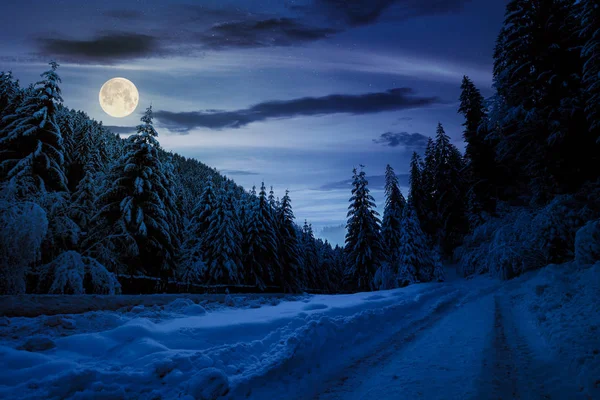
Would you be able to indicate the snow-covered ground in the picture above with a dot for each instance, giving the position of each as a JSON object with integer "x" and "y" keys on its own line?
{"x": 534, "y": 337}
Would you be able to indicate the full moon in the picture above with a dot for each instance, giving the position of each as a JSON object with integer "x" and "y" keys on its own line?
{"x": 119, "y": 97}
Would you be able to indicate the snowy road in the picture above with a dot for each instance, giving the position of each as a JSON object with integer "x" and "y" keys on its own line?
{"x": 464, "y": 339}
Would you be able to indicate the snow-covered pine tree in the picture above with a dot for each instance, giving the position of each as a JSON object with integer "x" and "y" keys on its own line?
{"x": 10, "y": 97}
{"x": 31, "y": 147}
{"x": 415, "y": 262}
{"x": 363, "y": 239}
{"x": 479, "y": 151}
{"x": 392, "y": 217}
{"x": 310, "y": 257}
{"x": 83, "y": 200}
{"x": 223, "y": 255}
{"x": 537, "y": 73}
{"x": 271, "y": 199}
{"x": 449, "y": 193}
{"x": 194, "y": 245}
{"x": 260, "y": 258}
{"x": 132, "y": 226}
{"x": 417, "y": 195}
{"x": 288, "y": 247}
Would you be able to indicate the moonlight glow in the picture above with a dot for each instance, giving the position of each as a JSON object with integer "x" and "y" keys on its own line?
{"x": 119, "y": 97}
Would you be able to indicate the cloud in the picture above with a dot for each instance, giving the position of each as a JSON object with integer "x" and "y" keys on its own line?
{"x": 376, "y": 182}
{"x": 123, "y": 14}
{"x": 239, "y": 172}
{"x": 354, "y": 13}
{"x": 106, "y": 48}
{"x": 405, "y": 139}
{"x": 224, "y": 27}
{"x": 368, "y": 103}
{"x": 261, "y": 33}
{"x": 121, "y": 129}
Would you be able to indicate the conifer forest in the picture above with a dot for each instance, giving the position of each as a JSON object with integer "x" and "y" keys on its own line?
{"x": 130, "y": 268}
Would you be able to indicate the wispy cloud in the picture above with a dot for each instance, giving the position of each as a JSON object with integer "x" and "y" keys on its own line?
{"x": 201, "y": 28}
{"x": 368, "y": 103}
{"x": 411, "y": 141}
{"x": 107, "y": 48}
{"x": 239, "y": 172}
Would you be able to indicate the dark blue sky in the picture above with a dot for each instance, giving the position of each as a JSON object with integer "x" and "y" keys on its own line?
{"x": 293, "y": 92}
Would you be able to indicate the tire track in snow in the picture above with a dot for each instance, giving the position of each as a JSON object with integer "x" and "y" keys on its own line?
{"x": 518, "y": 371}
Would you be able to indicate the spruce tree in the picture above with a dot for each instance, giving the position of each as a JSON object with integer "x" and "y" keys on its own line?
{"x": 261, "y": 256}
{"x": 31, "y": 145}
{"x": 363, "y": 239}
{"x": 288, "y": 247}
{"x": 223, "y": 255}
{"x": 133, "y": 221}
{"x": 310, "y": 257}
{"x": 83, "y": 200}
{"x": 479, "y": 151}
{"x": 537, "y": 68}
{"x": 449, "y": 194}
{"x": 415, "y": 262}
{"x": 392, "y": 217}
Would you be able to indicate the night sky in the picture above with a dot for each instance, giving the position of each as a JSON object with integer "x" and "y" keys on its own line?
{"x": 295, "y": 93}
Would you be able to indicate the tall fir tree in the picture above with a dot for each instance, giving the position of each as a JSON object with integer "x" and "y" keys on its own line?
{"x": 261, "y": 256}
{"x": 31, "y": 145}
{"x": 540, "y": 125}
{"x": 363, "y": 239}
{"x": 288, "y": 247}
{"x": 223, "y": 256}
{"x": 392, "y": 217}
{"x": 449, "y": 193}
{"x": 479, "y": 150}
{"x": 133, "y": 222}
{"x": 415, "y": 262}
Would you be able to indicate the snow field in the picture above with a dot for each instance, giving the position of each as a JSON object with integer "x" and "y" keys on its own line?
{"x": 143, "y": 355}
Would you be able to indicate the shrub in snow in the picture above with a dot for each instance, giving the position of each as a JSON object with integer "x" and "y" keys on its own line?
{"x": 587, "y": 243}
{"x": 38, "y": 343}
{"x": 24, "y": 226}
{"x": 523, "y": 239}
{"x": 72, "y": 273}
{"x": 385, "y": 278}
{"x": 209, "y": 384}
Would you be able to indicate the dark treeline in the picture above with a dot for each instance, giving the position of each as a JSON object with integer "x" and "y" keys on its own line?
{"x": 80, "y": 206}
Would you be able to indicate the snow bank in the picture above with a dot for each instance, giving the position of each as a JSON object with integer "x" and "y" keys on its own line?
{"x": 559, "y": 309}
{"x": 185, "y": 351}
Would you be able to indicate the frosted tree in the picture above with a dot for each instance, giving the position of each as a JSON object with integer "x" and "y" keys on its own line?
{"x": 10, "y": 97}
{"x": 260, "y": 258}
{"x": 288, "y": 247}
{"x": 83, "y": 200}
{"x": 31, "y": 147}
{"x": 392, "y": 216}
{"x": 133, "y": 221}
{"x": 449, "y": 193}
{"x": 537, "y": 73}
{"x": 363, "y": 240}
{"x": 195, "y": 233}
{"x": 72, "y": 273}
{"x": 223, "y": 243}
{"x": 310, "y": 257}
{"x": 415, "y": 262}
{"x": 24, "y": 227}
{"x": 479, "y": 151}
